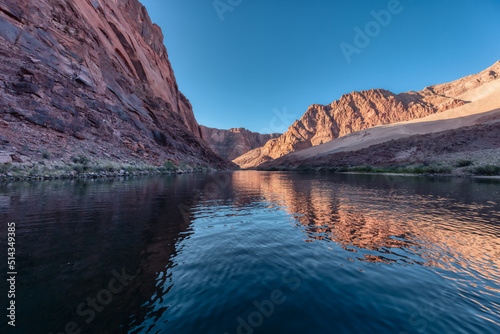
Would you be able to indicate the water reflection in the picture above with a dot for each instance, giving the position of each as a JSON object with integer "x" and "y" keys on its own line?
{"x": 393, "y": 219}
{"x": 360, "y": 212}
{"x": 205, "y": 248}
{"x": 72, "y": 235}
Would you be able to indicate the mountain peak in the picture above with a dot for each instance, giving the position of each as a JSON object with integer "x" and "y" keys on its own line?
{"x": 361, "y": 110}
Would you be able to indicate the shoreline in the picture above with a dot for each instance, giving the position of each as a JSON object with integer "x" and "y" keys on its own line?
{"x": 86, "y": 176}
{"x": 92, "y": 170}
{"x": 461, "y": 168}
{"x": 427, "y": 175}
{"x": 160, "y": 171}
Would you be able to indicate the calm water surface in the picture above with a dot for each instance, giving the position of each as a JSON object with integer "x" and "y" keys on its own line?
{"x": 255, "y": 252}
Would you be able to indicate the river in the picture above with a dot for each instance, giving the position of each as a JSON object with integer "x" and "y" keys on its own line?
{"x": 255, "y": 252}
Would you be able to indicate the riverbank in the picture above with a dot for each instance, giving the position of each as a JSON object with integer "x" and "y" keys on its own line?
{"x": 419, "y": 175}
{"x": 82, "y": 168}
{"x": 461, "y": 168}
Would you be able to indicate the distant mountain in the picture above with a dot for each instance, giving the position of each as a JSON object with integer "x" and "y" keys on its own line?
{"x": 468, "y": 135}
{"x": 91, "y": 77}
{"x": 363, "y": 110}
{"x": 233, "y": 143}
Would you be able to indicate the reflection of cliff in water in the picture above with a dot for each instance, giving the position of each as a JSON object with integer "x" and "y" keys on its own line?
{"x": 401, "y": 219}
{"x": 90, "y": 228}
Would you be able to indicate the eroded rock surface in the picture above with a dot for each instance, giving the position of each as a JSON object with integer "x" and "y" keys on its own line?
{"x": 232, "y": 143}
{"x": 362, "y": 110}
{"x": 92, "y": 77}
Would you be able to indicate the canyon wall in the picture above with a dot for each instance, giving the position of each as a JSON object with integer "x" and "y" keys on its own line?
{"x": 232, "y": 143}
{"x": 92, "y": 77}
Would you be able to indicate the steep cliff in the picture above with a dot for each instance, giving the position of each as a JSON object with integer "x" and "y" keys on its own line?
{"x": 91, "y": 77}
{"x": 233, "y": 143}
{"x": 362, "y": 110}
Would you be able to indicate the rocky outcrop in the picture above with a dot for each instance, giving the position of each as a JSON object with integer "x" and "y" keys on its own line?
{"x": 477, "y": 144}
{"x": 92, "y": 77}
{"x": 232, "y": 143}
{"x": 362, "y": 110}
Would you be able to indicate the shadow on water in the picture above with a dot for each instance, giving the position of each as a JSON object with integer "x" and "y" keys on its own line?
{"x": 204, "y": 250}
{"x": 73, "y": 238}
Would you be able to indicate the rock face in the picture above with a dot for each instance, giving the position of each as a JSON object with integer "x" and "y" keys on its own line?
{"x": 477, "y": 143}
{"x": 232, "y": 143}
{"x": 92, "y": 76}
{"x": 361, "y": 110}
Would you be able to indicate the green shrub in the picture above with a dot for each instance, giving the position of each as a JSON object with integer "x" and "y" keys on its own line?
{"x": 487, "y": 170}
{"x": 170, "y": 166}
{"x": 80, "y": 159}
{"x": 5, "y": 168}
{"x": 105, "y": 168}
{"x": 438, "y": 170}
{"x": 80, "y": 169}
{"x": 129, "y": 169}
{"x": 202, "y": 168}
{"x": 362, "y": 169}
{"x": 398, "y": 169}
{"x": 110, "y": 168}
{"x": 419, "y": 170}
{"x": 45, "y": 154}
{"x": 463, "y": 163}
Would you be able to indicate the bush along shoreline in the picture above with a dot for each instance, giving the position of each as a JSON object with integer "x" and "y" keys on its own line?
{"x": 81, "y": 167}
{"x": 460, "y": 168}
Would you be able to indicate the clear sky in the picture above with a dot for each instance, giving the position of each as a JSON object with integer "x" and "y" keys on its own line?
{"x": 259, "y": 64}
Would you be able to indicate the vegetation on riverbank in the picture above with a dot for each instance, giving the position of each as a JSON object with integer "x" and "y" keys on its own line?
{"x": 82, "y": 167}
{"x": 461, "y": 167}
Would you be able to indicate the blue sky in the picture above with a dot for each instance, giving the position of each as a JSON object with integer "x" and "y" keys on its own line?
{"x": 259, "y": 64}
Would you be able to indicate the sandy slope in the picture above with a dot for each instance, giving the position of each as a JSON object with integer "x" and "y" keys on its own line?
{"x": 483, "y": 106}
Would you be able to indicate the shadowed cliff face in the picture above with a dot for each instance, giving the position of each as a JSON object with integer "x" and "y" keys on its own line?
{"x": 232, "y": 143}
{"x": 362, "y": 110}
{"x": 92, "y": 76}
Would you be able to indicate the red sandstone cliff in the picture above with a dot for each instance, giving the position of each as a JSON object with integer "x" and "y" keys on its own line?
{"x": 362, "y": 110}
{"x": 92, "y": 77}
{"x": 233, "y": 143}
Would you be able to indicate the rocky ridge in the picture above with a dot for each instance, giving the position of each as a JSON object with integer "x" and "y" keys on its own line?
{"x": 476, "y": 146}
{"x": 362, "y": 110}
